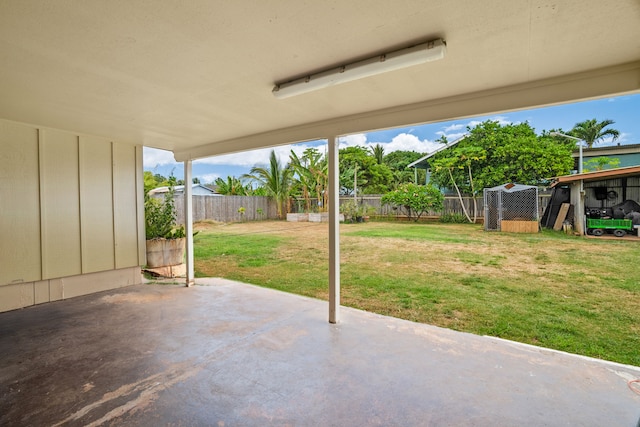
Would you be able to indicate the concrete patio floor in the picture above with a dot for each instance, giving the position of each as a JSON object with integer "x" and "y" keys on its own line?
{"x": 231, "y": 354}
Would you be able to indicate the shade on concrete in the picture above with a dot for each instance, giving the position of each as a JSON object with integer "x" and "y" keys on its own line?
{"x": 229, "y": 354}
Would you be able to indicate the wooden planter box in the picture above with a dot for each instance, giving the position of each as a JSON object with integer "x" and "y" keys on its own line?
{"x": 519, "y": 226}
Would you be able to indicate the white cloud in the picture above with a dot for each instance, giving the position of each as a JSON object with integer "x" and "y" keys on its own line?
{"x": 208, "y": 178}
{"x": 153, "y": 157}
{"x": 624, "y": 137}
{"x": 400, "y": 142}
{"x": 455, "y": 126}
{"x": 257, "y": 157}
{"x": 452, "y": 135}
{"x": 408, "y": 142}
{"x": 608, "y": 141}
{"x": 353, "y": 140}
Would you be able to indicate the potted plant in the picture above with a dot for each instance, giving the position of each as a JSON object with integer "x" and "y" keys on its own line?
{"x": 165, "y": 240}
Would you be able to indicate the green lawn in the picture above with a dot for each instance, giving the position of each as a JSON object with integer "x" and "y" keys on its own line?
{"x": 564, "y": 292}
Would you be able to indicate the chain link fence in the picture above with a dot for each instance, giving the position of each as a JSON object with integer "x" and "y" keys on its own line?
{"x": 509, "y": 202}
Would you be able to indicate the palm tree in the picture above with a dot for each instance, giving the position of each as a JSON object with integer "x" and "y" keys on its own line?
{"x": 311, "y": 173}
{"x": 276, "y": 180}
{"x": 592, "y": 131}
{"x": 305, "y": 180}
{"x": 377, "y": 151}
{"x": 231, "y": 187}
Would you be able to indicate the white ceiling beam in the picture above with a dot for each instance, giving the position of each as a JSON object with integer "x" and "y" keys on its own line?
{"x": 609, "y": 81}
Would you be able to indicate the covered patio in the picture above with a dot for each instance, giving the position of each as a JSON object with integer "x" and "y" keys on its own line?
{"x": 85, "y": 85}
{"x": 225, "y": 354}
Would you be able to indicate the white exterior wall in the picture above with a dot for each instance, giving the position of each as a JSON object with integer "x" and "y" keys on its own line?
{"x": 71, "y": 215}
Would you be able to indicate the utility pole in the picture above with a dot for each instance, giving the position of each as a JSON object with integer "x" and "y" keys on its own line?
{"x": 355, "y": 185}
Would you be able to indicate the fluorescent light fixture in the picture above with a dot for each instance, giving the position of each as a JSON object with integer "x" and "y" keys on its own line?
{"x": 403, "y": 58}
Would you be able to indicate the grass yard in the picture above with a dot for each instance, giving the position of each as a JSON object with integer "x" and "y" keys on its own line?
{"x": 564, "y": 292}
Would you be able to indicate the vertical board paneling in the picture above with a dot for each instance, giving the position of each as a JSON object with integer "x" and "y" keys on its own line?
{"x": 60, "y": 201}
{"x": 19, "y": 204}
{"x": 96, "y": 205}
{"x": 124, "y": 199}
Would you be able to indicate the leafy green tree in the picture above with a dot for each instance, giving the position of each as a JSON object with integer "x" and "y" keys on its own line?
{"x": 493, "y": 155}
{"x": 258, "y": 191}
{"x": 232, "y": 186}
{"x": 416, "y": 199}
{"x": 276, "y": 179}
{"x": 593, "y": 131}
{"x": 601, "y": 163}
{"x": 377, "y": 151}
{"x": 370, "y": 177}
{"x": 398, "y": 161}
{"x": 461, "y": 159}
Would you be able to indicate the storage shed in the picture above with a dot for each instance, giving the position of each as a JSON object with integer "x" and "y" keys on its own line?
{"x": 610, "y": 193}
{"x": 512, "y": 208}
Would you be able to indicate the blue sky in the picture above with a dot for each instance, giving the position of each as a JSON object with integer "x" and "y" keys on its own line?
{"x": 624, "y": 110}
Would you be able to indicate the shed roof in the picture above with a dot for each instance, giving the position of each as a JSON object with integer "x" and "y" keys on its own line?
{"x": 598, "y": 175}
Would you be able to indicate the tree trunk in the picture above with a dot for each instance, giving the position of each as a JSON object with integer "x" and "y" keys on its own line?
{"x": 473, "y": 194}
{"x": 464, "y": 209}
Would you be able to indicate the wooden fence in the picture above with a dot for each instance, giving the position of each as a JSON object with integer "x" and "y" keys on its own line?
{"x": 227, "y": 208}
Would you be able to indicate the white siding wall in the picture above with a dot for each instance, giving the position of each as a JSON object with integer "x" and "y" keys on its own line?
{"x": 71, "y": 215}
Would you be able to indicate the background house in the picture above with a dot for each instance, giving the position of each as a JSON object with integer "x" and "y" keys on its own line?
{"x": 627, "y": 155}
{"x": 197, "y": 190}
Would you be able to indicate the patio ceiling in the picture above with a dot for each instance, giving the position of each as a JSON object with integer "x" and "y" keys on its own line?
{"x": 196, "y": 77}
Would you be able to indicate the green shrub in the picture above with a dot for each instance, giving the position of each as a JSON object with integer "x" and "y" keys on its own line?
{"x": 453, "y": 218}
{"x": 160, "y": 217}
{"x": 416, "y": 199}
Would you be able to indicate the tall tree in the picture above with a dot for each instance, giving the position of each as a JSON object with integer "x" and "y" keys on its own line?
{"x": 232, "y": 186}
{"x": 398, "y": 162}
{"x": 372, "y": 178}
{"x": 276, "y": 179}
{"x": 493, "y": 154}
{"x": 377, "y": 151}
{"x": 310, "y": 177}
{"x": 593, "y": 131}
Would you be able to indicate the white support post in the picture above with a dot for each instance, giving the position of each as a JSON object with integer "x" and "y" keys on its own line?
{"x": 188, "y": 221}
{"x": 334, "y": 232}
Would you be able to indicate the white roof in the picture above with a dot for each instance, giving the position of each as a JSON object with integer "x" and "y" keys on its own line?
{"x": 178, "y": 189}
{"x": 511, "y": 187}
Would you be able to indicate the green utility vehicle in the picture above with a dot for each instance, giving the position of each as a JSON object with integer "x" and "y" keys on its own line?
{"x": 619, "y": 227}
